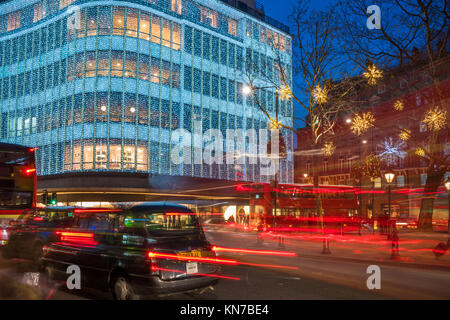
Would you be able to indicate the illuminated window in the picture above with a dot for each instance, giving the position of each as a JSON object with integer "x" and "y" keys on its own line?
{"x": 132, "y": 23}
{"x": 282, "y": 43}
{"x": 143, "y": 67}
{"x": 166, "y": 33}
{"x": 130, "y": 65}
{"x": 118, "y": 21}
{"x": 209, "y": 16}
{"x": 91, "y": 18}
{"x": 142, "y": 157}
{"x": 176, "y": 6}
{"x": 76, "y": 165}
{"x": 249, "y": 28}
{"x": 103, "y": 63}
{"x": 128, "y": 157}
{"x": 144, "y": 27}
{"x": 116, "y": 64}
{"x": 156, "y": 29}
{"x": 270, "y": 37}
{"x": 90, "y": 66}
{"x": 13, "y": 21}
{"x": 65, "y": 3}
{"x": 155, "y": 71}
{"x": 100, "y": 156}
{"x": 263, "y": 34}
{"x": 176, "y": 32}
{"x": 88, "y": 156}
{"x": 232, "y": 27}
{"x": 115, "y": 156}
{"x": 38, "y": 14}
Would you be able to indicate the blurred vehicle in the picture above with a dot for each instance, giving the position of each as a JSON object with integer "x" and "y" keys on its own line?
{"x": 27, "y": 234}
{"x": 150, "y": 249}
{"x": 17, "y": 180}
{"x": 406, "y": 223}
{"x": 214, "y": 223}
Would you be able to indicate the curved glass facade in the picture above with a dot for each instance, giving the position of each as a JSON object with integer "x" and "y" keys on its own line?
{"x": 107, "y": 94}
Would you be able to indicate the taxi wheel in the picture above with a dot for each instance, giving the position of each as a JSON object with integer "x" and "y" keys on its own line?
{"x": 122, "y": 289}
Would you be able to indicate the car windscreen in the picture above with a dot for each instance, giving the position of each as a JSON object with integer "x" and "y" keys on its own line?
{"x": 159, "y": 223}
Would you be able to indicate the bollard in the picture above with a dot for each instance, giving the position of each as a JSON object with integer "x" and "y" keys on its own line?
{"x": 281, "y": 241}
{"x": 326, "y": 246}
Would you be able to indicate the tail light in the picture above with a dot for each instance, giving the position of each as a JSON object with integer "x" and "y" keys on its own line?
{"x": 153, "y": 263}
{"x": 77, "y": 237}
{"x": 29, "y": 171}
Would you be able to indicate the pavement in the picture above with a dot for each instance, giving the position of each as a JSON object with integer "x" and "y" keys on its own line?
{"x": 416, "y": 276}
{"x": 415, "y": 249}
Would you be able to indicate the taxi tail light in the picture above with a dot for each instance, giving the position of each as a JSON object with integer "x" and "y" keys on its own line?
{"x": 29, "y": 171}
{"x": 153, "y": 264}
{"x": 77, "y": 237}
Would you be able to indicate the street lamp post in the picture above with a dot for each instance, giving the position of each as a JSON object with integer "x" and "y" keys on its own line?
{"x": 389, "y": 178}
{"x": 447, "y": 186}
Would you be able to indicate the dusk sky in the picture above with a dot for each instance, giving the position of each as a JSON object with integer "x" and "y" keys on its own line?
{"x": 281, "y": 9}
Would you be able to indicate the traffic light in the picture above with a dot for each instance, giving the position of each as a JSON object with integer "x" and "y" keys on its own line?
{"x": 53, "y": 200}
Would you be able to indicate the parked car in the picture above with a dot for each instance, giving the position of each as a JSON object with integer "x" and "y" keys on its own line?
{"x": 27, "y": 235}
{"x": 151, "y": 249}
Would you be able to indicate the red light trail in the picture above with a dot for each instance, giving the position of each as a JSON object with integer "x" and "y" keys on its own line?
{"x": 262, "y": 252}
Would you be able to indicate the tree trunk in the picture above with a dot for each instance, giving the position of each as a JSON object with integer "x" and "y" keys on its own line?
{"x": 434, "y": 179}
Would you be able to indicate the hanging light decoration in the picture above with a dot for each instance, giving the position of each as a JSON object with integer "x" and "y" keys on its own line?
{"x": 398, "y": 105}
{"x": 391, "y": 150}
{"x": 274, "y": 124}
{"x": 405, "y": 134}
{"x": 435, "y": 119}
{"x": 361, "y": 123}
{"x": 320, "y": 95}
{"x": 420, "y": 152}
{"x": 284, "y": 93}
{"x": 373, "y": 74}
{"x": 328, "y": 148}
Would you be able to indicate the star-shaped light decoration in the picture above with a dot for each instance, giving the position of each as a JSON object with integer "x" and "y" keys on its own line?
{"x": 405, "y": 134}
{"x": 328, "y": 148}
{"x": 274, "y": 124}
{"x": 284, "y": 93}
{"x": 391, "y": 150}
{"x": 435, "y": 119}
{"x": 362, "y": 123}
{"x": 320, "y": 95}
{"x": 373, "y": 74}
{"x": 398, "y": 105}
{"x": 420, "y": 152}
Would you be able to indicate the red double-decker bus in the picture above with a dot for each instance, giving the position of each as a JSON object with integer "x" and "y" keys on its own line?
{"x": 291, "y": 207}
{"x": 17, "y": 180}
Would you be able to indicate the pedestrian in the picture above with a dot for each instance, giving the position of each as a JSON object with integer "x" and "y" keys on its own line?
{"x": 259, "y": 231}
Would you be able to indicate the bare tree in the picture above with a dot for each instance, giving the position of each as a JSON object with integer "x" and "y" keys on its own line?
{"x": 413, "y": 33}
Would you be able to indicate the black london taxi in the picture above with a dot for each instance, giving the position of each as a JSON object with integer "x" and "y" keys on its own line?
{"x": 31, "y": 231}
{"x": 150, "y": 249}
